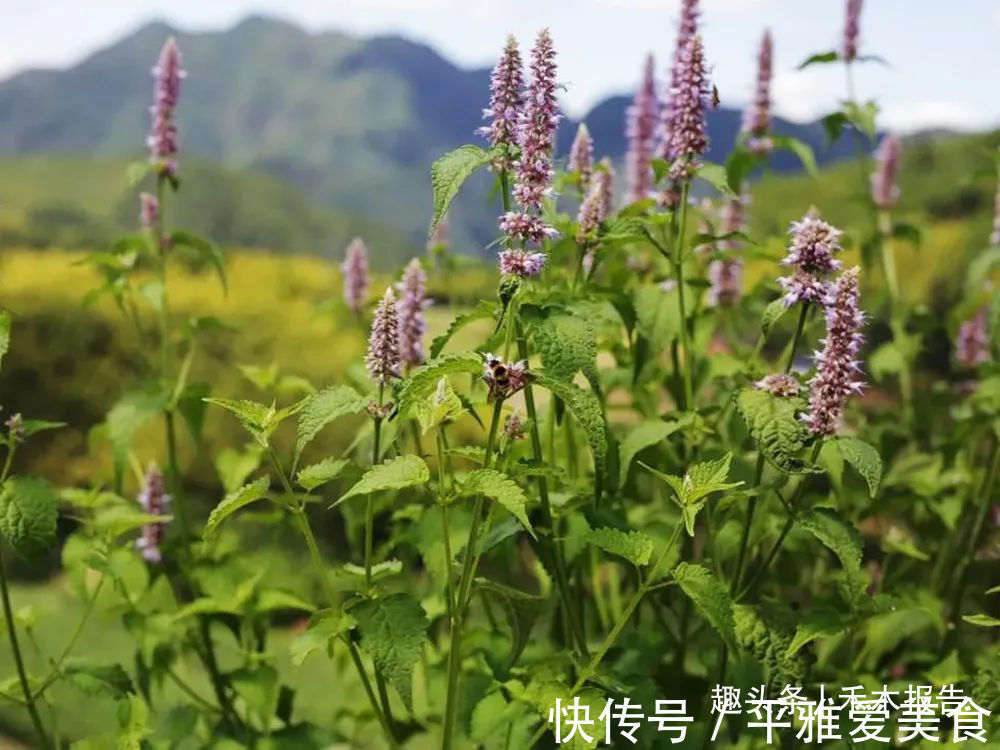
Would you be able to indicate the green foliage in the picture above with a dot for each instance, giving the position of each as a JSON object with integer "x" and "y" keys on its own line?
{"x": 318, "y": 474}
{"x": 640, "y": 437}
{"x": 691, "y": 491}
{"x": 710, "y": 598}
{"x": 393, "y": 630}
{"x": 324, "y": 627}
{"x": 321, "y": 409}
{"x": 586, "y": 410}
{"x": 567, "y": 345}
{"x": 422, "y": 382}
{"x": 633, "y": 546}
{"x": 249, "y": 493}
{"x": 28, "y": 511}
{"x": 447, "y": 175}
{"x": 260, "y": 420}
{"x": 864, "y": 458}
{"x": 500, "y": 488}
{"x": 843, "y": 540}
{"x": 393, "y": 474}
{"x": 774, "y": 424}
{"x": 521, "y": 609}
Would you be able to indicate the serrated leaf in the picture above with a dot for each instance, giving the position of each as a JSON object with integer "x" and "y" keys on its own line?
{"x": 772, "y": 314}
{"x": 567, "y": 345}
{"x": 323, "y": 628}
{"x": 692, "y": 490}
{"x": 318, "y": 474}
{"x": 710, "y": 598}
{"x": 586, "y": 410}
{"x": 133, "y": 410}
{"x": 657, "y": 316}
{"x": 864, "y": 458}
{"x": 394, "y": 474}
{"x": 841, "y": 538}
{"x": 482, "y": 311}
{"x": 522, "y": 610}
{"x": 447, "y": 175}
{"x": 260, "y": 420}
{"x": 393, "y": 630}
{"x": 249, "y": 493}
{"x": 819, "y": 623}
{"x": 634, "y": 546}
{"x": 29, "y": 508}
{"x": 422, "y": 382}
{"x": 640, "y": 437}
{"x": 500, "y": 488}
{"x": 98, "y": 678}
{"x": 321, "y": 409}
{"x": 443, "y": 405}
{"x": 775, "y": 426}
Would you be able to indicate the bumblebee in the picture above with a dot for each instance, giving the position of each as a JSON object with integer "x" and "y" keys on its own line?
{"x": 497, "y": 372}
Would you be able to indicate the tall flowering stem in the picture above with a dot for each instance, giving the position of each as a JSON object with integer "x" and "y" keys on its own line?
{"x": 354, "y": 269}
{"x": 689, "y": 99}
{"x": 686, "y": 29}
{"x": 163, "y": 140}
{"x": 410, "y": 314}
{"x": 812, "y": 257}
{"x": 155, "y": 501}
{"x": 995, "y": 234}
{"x": 852, "y": 27}
{"x": 640, "y": 133}
{"x": 756, "y": 125}
{"x": 581, "y": 156}
{"x": 506, "y": 103}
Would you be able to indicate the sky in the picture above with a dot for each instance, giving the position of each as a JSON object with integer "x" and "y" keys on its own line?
{"x": 942, "y": 56}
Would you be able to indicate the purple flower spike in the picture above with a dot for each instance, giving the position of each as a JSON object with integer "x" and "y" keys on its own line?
{"x": 154, "y": 500}
{"x": 885, "y": 191}
{"x": 688, "y": 99}
{"x": 521, "y": 263}
{"x": 410, "y": 311}
{"x": 726, "y": 274}
{"x": 837, "y": 372}
{"x": 640, "y": 131}
{"x": 972, "y": 347}
{"x": 537, "y": 126}
{"x": 382, "y": 359}
{"x": 686, "y": 29}
{"x": 995, "y": 234}
{"x": 757, "y": 117}
{"x": 597, "y": 205}
{"x": 506, "y": 101}
{"x": 811, "y": 254}
{"x": 149, "y": 210}
{"x": 851, "y": 29}
{"x": 355, "y": 270}
{"x": 163, "y": 141}
{"x": 581, "y": 156}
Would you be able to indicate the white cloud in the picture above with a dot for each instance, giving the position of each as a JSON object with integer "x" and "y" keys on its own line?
{"x": 803, "y": 94}
{"x": 932, "y": 113}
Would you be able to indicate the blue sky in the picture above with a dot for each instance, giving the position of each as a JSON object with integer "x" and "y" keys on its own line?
{"x": 943, "y": 55}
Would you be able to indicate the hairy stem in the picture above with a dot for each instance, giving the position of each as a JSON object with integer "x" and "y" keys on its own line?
{"x": 678, "y": 261}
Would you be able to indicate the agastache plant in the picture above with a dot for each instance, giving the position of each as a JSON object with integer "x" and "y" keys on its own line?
{"x": 885, "y": 190}
{"x": 687, "y": 28}
{"x": 689, "y": 98}
{"x": 756, "y": 126}
{"x": 155, "y": 501}
{"x": 995, "y": 234}
{"x": 355, "y": 273}
{"x": 972, "y": 345}
{"x": 383, "y": 357}
{"x": 410, "y": 313}
{"x": 506, "y": 104}
{"x": 581, "y": 156}
{"x": 812, "y": 257}
{"x": 163, "y": 140}
{"x": 838, "y": 369}
{"x": 640, "y": 134}
{"x": 852, "y": 26}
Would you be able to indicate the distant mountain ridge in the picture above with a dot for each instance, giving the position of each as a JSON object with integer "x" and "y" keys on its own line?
{"x": 354, "y": 123}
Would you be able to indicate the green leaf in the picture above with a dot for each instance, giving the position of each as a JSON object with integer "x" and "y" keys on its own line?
{"x": 233, "y": 467}
{"x": 394, "y": 474}
{"x": 833, "y": 126}
{"x": 865, "y": 460}
{"x": 772, "y": 314}
{"x": 739, "y": 164}
{"x": 716, "y": 176}
{"x": 500, "y": 488}
{"x": 482, "y": 311}
{"x": 29, "y": 508}
{"x": 318, "y": 474}
{"x": 447, "y": 175}
{"x": 393, "y": 630}
{"x": 977, "y": 273}
{"x": 692, "y": 490}
{"x": 133, "y": 410}
{"x": 586, "y": 410}
{"x": 249, "y": 493}
{"x": 324, "y": 627}
{"x": 522, "y": 610}
{"x": 117, "y": 519}
{"x": 322, "y": 408}
{"x": 634, "y": 546}
{"x": 862, "y": 116}
{"x": 819, "y": 623}
{"x": 840, "y": 537}
{"x": 774, "y": 424}
{"x": 801, "y": 149}
{"x": 132, "y": 722}
{"x": 443, "y": 405}
{"x": 983, "y": 621}
{"x": 886, "y": 360}
{"x": 820, "y": 58}
{"x": 260, "y": 420}
{"x": 98, "y": 678}
{"x": 423, "y": 381}
{"x": 567, "y": 345}
{"x": 5, "y": 321}
{"x": 274, "y": 600}
{"x": 259, "y": 686}
{"x": 640, "y": 437}
{"x": 34, "y": 426}
{"x": 710, "y": 598}
{"x": 207, "y": 251}
{"x": 657, "y": 316}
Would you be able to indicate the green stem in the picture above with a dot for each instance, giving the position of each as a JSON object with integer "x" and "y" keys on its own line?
{"x": 469, "y": 564}
{"x": 587, "y": 672}
{"x": 546, "y": 537}
{"x": 370, "y": 505}
{"x": 678, "y": 260}
{"x": 445, "y": 525}
{"x": 745, "y": 536}
{"x": 29, "y": 698}
{"x": 797, "y": 338}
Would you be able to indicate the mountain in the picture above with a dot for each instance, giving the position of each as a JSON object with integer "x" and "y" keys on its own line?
{"x": 352, "y": 123}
